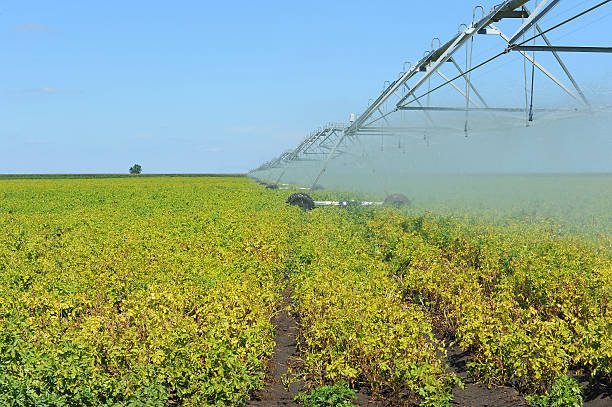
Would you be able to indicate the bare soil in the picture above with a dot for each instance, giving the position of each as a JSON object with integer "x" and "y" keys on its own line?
{"x": 274, "y": 392}
{"x": 596, "y": 393}
{"x": 478, "y": 394}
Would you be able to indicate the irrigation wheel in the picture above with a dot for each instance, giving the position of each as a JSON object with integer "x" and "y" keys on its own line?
{"x": 304, "y": 201}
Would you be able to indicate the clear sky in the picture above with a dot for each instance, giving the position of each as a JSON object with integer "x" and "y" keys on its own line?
{"x": 203, "y": 86}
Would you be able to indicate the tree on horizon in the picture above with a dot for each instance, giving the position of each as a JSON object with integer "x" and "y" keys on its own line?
{"x": 135, "y": 169}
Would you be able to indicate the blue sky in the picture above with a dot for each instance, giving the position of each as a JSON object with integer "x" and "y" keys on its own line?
{"x": 201, "y": 86}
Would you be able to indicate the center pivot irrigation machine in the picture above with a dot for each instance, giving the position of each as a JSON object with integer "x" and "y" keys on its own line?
{"x": 514, "y": 27}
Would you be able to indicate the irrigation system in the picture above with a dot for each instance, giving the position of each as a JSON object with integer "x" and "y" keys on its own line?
{"x": 450, "y": 66}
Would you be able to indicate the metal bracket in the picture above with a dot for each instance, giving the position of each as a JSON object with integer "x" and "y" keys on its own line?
{"x": 488, "y": 31}
{"x": 511, "y": 14}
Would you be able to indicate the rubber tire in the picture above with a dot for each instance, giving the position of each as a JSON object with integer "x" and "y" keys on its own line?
{"x": 304, "y": 201}
{"x": 397, "y": 200}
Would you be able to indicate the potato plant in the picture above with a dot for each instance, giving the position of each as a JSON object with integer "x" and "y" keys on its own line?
{"x": 137, "y": 292}
{"x": 152, "y": 291}
{"x": 354, "y": 324}
{"x": 528, "y": 304}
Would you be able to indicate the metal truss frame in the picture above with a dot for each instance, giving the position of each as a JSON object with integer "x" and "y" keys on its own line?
{"x": 327, "y": 143}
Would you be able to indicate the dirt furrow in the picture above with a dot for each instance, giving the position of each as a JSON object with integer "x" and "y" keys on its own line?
{"x": 275, "y": 393}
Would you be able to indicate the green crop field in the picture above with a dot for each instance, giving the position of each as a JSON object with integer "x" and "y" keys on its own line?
{"x": 161, "y": 291}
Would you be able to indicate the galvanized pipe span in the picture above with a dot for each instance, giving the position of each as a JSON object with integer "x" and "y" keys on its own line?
{"x": 327, "y": 143}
